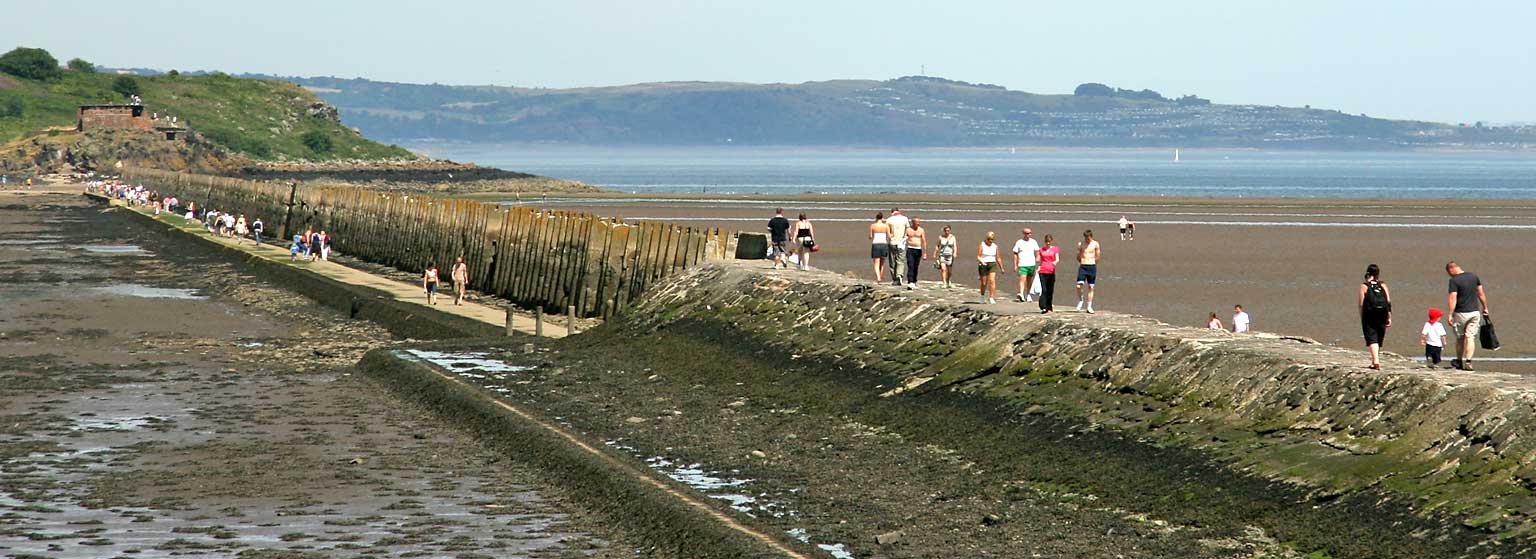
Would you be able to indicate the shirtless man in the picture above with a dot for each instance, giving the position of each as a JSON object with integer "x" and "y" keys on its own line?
{"x": 1088, "y": 255}
{"x": 460, "y": 275}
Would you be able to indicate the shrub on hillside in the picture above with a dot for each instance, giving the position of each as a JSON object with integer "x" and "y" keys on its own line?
{"x": 12, "y": 108}
{"x": 317, "y": 141}
{"x": 80, "y": 65}
{"x": 126, "y": 85}
{"x": 32, "y": 64}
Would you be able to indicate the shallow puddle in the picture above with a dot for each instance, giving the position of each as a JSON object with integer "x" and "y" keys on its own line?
{"x": 114, "y": 249}
{"x": 147, "y": 292}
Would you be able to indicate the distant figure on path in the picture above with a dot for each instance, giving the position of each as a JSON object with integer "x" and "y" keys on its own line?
{"x": 460, "y": 276}
{"x": 1432, "y": 335}
{"x": 898, "y": 223}
{"x": 778, "y": 234}
{"x": 879, "y": 245}
{"x": 1468, "y": 304}
{"x": 1239, "y": 320}
{"x": 1050, "y": 254}
{"x": 256, "y": 227}
{"x": 1130, "y": 230}
{"x": 325, "y": 246}
{"x": 917, "y": 245}
{"x": 986, "y": 267}
{"x": 1375, "y": 312}
{"x": 1088, "y": 254}
{"x": 1026, "y": 257}
{"x": 944, "y": 256}
{"x": 241, "y": 229}
{"x": 429, "y": 283}
{"x": 1125, "y": 228}
{"x": 1214, "y": 323}
{"x": 805, "y": 241}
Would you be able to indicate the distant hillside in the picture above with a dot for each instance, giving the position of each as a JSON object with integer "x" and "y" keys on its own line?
{"x": 260, "y": 119}
{"x": 909, "y": 111}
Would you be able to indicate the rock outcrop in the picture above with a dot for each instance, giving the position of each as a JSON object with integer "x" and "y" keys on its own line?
{"x": 1459, "y": 445}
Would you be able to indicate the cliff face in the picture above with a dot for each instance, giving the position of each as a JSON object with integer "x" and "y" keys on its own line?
{"x": 1284, "y": 408}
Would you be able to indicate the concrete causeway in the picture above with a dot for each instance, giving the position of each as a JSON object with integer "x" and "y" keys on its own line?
{"x": 1449, "y": 443}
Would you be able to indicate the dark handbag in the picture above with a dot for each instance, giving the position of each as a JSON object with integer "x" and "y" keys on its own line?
{"x": 1489, "y": 340}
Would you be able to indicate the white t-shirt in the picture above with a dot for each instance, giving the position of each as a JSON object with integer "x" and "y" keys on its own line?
{"x": 1434, "y": 334}
{"x": 1124, "y": 223}
{"x": 898, "y": 225}
{"x": 1240, "y": 322}
{"x": 1026, "y": 251}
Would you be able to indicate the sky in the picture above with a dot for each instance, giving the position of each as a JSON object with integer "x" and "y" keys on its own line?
{"x": 1442, "y": 61}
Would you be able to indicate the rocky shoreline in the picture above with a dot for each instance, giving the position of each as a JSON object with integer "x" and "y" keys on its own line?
{"x": 412, "y": 175}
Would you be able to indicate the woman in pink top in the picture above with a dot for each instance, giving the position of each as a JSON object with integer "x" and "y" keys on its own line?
{"x": 1049, "y": 255}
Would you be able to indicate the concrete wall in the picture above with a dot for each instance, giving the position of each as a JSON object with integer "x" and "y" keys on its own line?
{"x": 1460, "y": 445}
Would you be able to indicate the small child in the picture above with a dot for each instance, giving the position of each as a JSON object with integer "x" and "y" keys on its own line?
{"x": 1433, "y": 337}
{"x": 293, "y": 251}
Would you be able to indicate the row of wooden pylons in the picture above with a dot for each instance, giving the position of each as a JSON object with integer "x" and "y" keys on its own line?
{"x": 535, "y": 258}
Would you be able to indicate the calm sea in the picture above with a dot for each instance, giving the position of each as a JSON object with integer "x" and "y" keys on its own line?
{"x": 749, "y": 170}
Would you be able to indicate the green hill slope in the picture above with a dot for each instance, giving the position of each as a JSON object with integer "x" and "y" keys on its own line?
{"x": 262, "y": 119}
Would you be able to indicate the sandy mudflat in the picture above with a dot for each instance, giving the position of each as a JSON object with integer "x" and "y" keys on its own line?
{"x": 158, "y": 401}
{"x": 1295, "y": 264}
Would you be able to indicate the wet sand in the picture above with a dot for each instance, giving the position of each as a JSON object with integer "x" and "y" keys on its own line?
{"x": 156, "y": 401}
{"x": 1295, "y": 265}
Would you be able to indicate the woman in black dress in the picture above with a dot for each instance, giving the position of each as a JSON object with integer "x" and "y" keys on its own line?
{"x": 1375, "y": 312}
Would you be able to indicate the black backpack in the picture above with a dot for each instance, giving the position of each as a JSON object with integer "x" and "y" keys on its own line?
{"x": 1376, "y": 298}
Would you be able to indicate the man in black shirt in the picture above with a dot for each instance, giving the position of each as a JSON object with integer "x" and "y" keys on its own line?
{"x": 778, "y": 228}
{"x": 1468, "y": 306}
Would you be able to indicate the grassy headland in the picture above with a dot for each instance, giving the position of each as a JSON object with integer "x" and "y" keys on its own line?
{"x": 265, "y": 120}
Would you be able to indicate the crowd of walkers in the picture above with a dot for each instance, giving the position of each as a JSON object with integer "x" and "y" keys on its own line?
{"x": 899, "y": 244}
{"x": 311, "y": 245}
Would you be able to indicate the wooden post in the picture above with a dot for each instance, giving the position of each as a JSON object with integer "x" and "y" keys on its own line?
{"x": 570, "y": 320}
{"x": 510, "y": 314}
{"x": 538, "y": 321}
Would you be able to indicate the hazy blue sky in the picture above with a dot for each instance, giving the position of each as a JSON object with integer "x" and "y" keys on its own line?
{"x": 1446, "y": 61}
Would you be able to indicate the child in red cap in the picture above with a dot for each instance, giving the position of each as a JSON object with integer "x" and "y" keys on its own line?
{"x": 1433, "y": 337}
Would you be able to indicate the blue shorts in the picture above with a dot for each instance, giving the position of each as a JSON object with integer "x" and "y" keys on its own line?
{"x": 1087, "y": 273}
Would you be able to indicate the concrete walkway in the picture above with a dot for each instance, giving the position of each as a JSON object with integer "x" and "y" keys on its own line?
{"x": 399, "y": 290}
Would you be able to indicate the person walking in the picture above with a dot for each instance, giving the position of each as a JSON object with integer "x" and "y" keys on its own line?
{"x": 325, "y": 246}
{"x": 316, "y": 246}
{"x": 429, "y": 283}
{"x": 1214, "y": 323}
{"x": 1468, "y": 304}
{"x": 1240, "y": 322}
{"x": 986, "y": 267}
{"x": 1050, "y": 254}
{"x": 917, "y": 245}
{"x": 778, "y": 235}
{"x": 1125, "y": 228}
{"x": 898, "y": 262}
{"x": 1375, "y": 312}
{"x": 944, "y": 256}
{"x": 460, "y": 276}
{"x": 805, "y": 241}
{"x": 1432, "y": 335}
{"x": 256, "y": 227}
{"x": 1026, "y": 256}
{"x": 241, "y": 229}
{"x": 879, "y": 245}
{"x": 1088, "y": 254}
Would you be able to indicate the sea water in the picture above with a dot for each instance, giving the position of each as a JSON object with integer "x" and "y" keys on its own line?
{"x": 1199, "y": 173}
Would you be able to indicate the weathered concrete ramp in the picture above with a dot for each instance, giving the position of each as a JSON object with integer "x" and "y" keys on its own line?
{"x": 1457, "y": 445}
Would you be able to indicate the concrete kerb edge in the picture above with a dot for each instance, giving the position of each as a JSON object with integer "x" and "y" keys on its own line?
{"x": 401, "y": 319}
{"x": 674, "y": 519}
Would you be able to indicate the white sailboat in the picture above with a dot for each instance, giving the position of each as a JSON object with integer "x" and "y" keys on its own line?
{"x": 1175, "y": 155}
